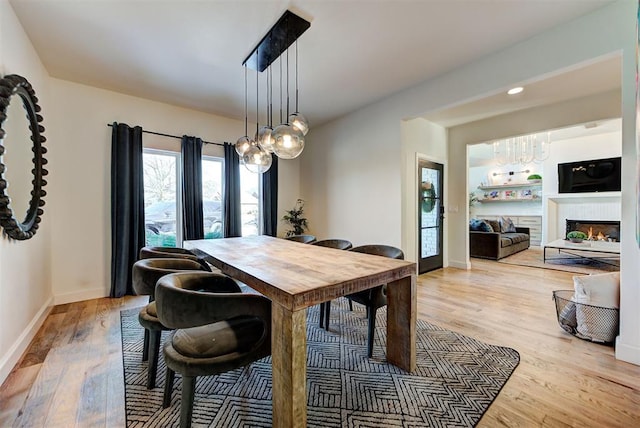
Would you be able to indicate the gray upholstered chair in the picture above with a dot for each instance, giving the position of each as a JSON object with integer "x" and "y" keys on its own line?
{"x": 372, "y": 298}
{"x": 172, "y": 253}
{"x": 338, "y": 244}
{"x": 217, "y": 329}
{"x": 305, "y": 239}
{"x": 145, "y": 274}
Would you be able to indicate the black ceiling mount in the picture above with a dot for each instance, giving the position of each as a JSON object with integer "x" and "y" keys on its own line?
{"x": 283, "y": 33}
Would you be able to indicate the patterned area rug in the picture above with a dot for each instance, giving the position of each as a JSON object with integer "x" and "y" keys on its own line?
{"x": 533, "y": 257}
{"x": 456, "y": 381}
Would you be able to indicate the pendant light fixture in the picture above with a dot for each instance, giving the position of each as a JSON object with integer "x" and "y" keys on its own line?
{"x": 287, "y": 139}
{"x": 243, "y": 143}
{"x": 297, "y": 120}
{"x": 255, "y": 158}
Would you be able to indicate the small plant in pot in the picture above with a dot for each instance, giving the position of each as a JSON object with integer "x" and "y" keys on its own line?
{"x": 294, "y": 218}
{"x": 576, "y": 236}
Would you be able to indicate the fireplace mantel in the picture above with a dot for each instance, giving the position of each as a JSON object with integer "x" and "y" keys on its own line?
{"x": 577, "y": 198}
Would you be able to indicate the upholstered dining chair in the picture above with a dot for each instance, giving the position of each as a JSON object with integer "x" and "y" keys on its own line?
{"x": 305, "y": 239}
{"x": 217, "y": 329}
{"x": 172, "y": 253}
{"x": 145, "y": 274}
{"x": 372, "y": 298}
{"x": 338, "y": 244}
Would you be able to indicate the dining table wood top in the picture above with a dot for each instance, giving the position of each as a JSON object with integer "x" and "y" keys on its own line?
{"x": 297, "y": 275}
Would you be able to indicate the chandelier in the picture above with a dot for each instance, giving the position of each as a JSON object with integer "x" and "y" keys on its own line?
{"x": 287, "y": 139}
{"x": 522, "y": 150}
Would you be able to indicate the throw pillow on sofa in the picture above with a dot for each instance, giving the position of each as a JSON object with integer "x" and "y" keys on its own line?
{"x": 593, "y": 293}
{"x": 495, "y": 225}
{"x": 506, "y": 225}
{"x": 479, "y": 225}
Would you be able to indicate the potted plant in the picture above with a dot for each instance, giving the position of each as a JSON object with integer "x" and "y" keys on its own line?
{"x": 295, "y": 220}
{"x": 534, "y": 178}
{"x": 576, "y": 236}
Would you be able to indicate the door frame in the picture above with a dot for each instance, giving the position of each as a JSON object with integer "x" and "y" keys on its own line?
{"x": 416, "y": 221}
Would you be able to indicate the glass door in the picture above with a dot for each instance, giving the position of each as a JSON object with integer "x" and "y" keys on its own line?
{"x": 430, "y": 215}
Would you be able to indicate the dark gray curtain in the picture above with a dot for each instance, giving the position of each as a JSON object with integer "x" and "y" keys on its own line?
{"x": 193, "y": 224}
{"x": 127, "y": 205}
{"x": 270, "y": 199}
{"x": 232, "y": 222}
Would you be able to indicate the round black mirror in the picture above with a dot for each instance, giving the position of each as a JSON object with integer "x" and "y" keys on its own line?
{"x": 21, "y": 202}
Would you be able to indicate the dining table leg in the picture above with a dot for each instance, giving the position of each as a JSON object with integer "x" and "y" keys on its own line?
{"x": 289, "y": 366}
{"x": 401, "y": 322}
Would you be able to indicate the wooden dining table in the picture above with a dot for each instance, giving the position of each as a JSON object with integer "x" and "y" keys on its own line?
{"x": 295, "y": 276}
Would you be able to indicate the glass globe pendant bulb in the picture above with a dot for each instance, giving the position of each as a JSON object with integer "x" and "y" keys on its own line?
{"x": 256, "y": 159}
{"x": 298, "y": 121}
{"x": 289, "y": 141}
{"x": 265, "y": 138}
{"x": 242, "y": 145}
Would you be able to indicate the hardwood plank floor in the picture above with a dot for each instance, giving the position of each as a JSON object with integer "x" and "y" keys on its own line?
{"x": 72, "y": 373}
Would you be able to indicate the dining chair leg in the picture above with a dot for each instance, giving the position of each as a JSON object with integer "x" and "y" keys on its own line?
{"x": 327, "y": 314}
{"x": 186, "y": 405}
{"x": 154, "y": 348}
{"x": 372, "y": 329}
{"x": 168, "y": 388}
{"x": 145, "y": 345}
{"x": 322, "y": 310}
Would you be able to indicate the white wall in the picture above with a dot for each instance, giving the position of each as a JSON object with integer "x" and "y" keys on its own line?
{"x": 335, "y": 170}
{"x": 80, "y": 184}
{"x": 425, "y": 140}
{"x": 350, "y": 178}
{"x": 25, "y": 287}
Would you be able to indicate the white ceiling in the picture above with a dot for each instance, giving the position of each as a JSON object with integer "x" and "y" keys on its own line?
{"x": 189, "y": 53}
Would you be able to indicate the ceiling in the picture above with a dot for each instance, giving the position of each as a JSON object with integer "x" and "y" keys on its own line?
{"x": 189, "y": 53}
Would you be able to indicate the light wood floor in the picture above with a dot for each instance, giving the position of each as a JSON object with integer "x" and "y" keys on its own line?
{"x": 72, "y": 373}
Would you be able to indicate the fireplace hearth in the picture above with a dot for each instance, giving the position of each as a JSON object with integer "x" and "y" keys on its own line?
{"x": 596, "y": 230}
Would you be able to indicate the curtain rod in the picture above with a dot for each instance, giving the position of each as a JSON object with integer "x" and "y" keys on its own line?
{"x": 170, "y": 136}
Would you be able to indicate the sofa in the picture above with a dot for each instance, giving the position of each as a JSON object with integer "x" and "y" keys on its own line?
{"x": 496, "y": 239}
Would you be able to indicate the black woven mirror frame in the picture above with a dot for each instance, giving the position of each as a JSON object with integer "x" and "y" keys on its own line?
{"x": 10, "y": 86}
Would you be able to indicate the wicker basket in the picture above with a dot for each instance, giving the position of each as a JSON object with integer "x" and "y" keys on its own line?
{"x": 587, "y": 322}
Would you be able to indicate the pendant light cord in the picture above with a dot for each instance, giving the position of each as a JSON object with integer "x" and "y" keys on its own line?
{"x": 287, "y": 84}
{"x": 297, "y": 76}
{"x": 246, "y": 116}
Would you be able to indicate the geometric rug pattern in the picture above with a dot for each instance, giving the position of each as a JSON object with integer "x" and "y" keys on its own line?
{"x": 456, "y": 380}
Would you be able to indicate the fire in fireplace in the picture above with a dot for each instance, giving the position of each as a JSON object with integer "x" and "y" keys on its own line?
{"x": 596, "y": 230}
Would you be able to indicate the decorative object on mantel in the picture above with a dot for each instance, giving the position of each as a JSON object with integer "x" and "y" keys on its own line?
{"x": 522, "y": 150}
{"x": 293, "y": 218}
{"x": 287, "y": 139}
{"x": 20, "y": 214}
{"x": 534, "y": 178}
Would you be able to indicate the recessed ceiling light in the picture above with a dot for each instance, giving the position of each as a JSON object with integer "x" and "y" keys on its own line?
{"x": 515, "y": 90}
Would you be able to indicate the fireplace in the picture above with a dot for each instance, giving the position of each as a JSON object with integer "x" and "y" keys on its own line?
{"x": 596, "y": 230}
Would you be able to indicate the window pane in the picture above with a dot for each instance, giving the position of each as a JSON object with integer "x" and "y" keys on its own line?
{"x": 249, "y": 201}
{"x": 212, "y": 197}
{"x": 160, "y": 198}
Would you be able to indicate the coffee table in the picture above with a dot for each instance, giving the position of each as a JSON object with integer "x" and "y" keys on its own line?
{"x": 599, "y": 251}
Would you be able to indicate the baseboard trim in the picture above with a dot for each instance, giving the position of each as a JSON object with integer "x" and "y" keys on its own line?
{"x": 15, "y": 352}
{"x": 626, "y": 352}
{"x": 78, "y": 296}
{"x": 460, "y": 264}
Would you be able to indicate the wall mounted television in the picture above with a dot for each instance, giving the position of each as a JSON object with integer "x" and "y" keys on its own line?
{"x": 598, "y": 175}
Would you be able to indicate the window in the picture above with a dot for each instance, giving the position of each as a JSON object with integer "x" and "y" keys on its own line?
{"x": 161, "y": 200}
{"x": 212, "y": 197}
{"x": 163, "y": 205}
